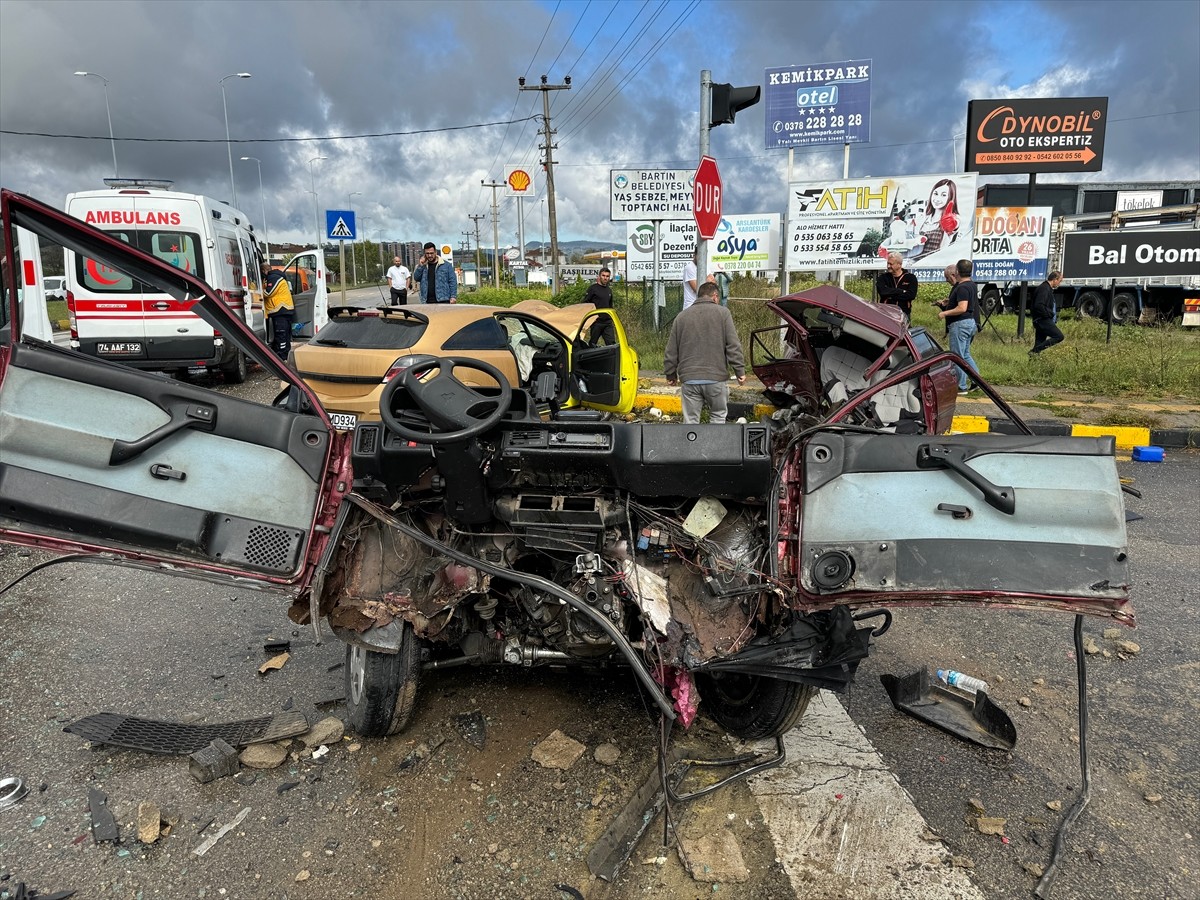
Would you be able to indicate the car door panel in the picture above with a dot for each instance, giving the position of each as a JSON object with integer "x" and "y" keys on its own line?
{"x": 97, "y": 456}
{"x": 883, "y": 522}
{"x": 606, "y": 374}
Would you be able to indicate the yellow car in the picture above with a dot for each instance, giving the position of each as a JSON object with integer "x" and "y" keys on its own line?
{"x": 359, "y": 351}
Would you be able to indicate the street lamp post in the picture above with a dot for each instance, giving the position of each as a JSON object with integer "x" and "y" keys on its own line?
{"x": 313, "y": 176}
{"x": 228, "y": 145}
{"x": 366, "y": 237}
{"x": 354, "y": 243}
{"x": 112, "y": 140}
{"x": 262, "y": 198}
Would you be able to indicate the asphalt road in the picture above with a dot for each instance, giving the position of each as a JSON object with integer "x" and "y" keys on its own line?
{"x": 76, "y": 639}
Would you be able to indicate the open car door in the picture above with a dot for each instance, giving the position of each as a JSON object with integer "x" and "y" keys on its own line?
{"x": 992, "y": 519}
{"x": 97, "y": 457}
{"x": 603, "y": 364}
{"x": 306, "y": 275}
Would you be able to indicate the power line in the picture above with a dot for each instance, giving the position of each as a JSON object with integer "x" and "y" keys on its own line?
{"x": 292, "y": 140}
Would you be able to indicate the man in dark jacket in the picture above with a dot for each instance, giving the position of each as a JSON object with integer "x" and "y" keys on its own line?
{"x": 702, "y": 348}
{"x": 896, "y": 286}
{"x": 1045, "y": 315}
{"x": 599, "y": 293}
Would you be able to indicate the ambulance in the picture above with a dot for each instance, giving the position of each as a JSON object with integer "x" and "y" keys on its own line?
{"x": 115, "y": 316}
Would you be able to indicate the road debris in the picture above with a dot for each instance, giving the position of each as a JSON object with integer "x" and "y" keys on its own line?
{"x": 557, "y": 751}
{"x": 211, "y": 842}
{"x": 215, "y": 761}
{"x": 1090, "y": 647}
{"x": 1129, "y": 647}
{"x": 156, "y": 736}
{"x": 1055, "y": 805}
{"x": 277, "y": 646}
{"x": 275, "y": 662}
{"x": 990, "y": 825}
{"x": 149, "y": 822}
{"x": 12, "y": 791}
{"x": 263, "y": 756}
{"x": 327, "y": 731}
{"x": 1037, "y": 870}
{"x": 607, "y": 754}
{"x": 473, "y": 728}
{"x": 1153, "y": 798}
{"x": 104, "y": 824}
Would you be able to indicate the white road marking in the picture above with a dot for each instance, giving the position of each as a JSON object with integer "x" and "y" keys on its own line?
{"x": 842, "y": 824}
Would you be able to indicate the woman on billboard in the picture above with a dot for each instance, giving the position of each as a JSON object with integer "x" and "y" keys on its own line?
{"x": 939, "y": 228}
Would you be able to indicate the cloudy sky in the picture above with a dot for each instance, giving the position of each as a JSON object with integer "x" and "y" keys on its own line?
{"x": 414, "y": 104}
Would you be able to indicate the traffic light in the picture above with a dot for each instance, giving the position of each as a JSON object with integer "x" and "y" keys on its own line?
{"x": 727, "y": 100}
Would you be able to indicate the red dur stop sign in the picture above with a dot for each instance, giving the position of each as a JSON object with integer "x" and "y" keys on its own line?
{"x": 706, "y": 197}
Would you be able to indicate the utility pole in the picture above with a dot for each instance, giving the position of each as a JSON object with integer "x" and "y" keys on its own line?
{"x": 478, "y": 270}
{"x": 465, "y": 248}
{"x": 495, "y": 229}
{"x": 549, "y": 147}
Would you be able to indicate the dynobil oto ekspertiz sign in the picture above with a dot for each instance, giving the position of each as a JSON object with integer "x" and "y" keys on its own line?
{"x": 829, "y": 103}
{"x": 928, "y": 219}
{"x": 1059, "y": 134}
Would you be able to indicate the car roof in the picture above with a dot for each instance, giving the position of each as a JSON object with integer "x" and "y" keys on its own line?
{"x": 883, "y": 317}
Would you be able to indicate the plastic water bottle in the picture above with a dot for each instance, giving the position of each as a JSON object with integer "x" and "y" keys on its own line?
{"x": 961, "y": 681}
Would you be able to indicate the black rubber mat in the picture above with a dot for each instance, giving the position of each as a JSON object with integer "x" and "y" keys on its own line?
{"x": 152, "y": 736}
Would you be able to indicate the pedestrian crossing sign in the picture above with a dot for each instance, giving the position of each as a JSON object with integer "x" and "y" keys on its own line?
{"x": 340, "y": 225}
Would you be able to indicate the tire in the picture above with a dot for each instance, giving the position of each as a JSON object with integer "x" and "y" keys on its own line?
{"x": 752, "y": 707}
{"x": 1124, "y": 307}
{"x": 1091, "y": 305}
{"x": 991, "y": 302}
{"x": 381, "y": 688}
{"x": 236, "y": 369}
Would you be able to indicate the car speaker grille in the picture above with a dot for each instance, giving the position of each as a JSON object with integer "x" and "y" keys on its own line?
{"x": 268, "y": 547}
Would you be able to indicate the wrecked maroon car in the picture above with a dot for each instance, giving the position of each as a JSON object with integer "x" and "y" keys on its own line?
{"x": 735, "y": 568}
{"x": 832, "y": 345}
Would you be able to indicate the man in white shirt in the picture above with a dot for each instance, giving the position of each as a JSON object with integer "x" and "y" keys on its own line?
{"x": 689, "y": 280}
{"x": 398, "y": 275}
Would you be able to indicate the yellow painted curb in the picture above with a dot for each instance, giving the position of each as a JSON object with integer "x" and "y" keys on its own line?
{"x": 670, "y": 404}
{"x": 1127, "y": 436}
{"x": 970, "y": 425}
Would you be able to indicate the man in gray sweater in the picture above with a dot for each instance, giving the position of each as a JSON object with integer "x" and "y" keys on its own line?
{"x": 701, "y": 350}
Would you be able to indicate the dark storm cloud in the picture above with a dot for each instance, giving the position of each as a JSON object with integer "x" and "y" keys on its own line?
{"x": 322, "y": 69}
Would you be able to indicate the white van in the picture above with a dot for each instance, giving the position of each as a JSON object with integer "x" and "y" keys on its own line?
{"x": 115, "y": 317}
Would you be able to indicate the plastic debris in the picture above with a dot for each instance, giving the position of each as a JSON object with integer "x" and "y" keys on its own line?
{"x": 211, "y": 842}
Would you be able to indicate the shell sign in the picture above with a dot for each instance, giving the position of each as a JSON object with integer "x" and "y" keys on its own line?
{"x": 519, "y": 181}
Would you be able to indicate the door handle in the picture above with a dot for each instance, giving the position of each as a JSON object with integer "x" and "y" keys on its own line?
{"x": 165, "y": 472}
{"x": 182, "y": 416}
{"x": 949, "y": 456}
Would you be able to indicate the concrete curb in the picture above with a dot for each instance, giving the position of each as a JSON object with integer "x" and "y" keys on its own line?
{"x": 1127, "y": 438}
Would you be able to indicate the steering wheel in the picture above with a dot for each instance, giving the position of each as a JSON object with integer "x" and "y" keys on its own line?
{"x": 456, "y": 411}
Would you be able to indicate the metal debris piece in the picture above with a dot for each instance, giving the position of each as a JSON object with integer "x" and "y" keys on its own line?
{"x": 210, "y": 842}
{"x": 12, "y": 790}
{"x": 104, "y": 824}
{"x": 473, "y": 728}
{"x": 177, "y": 738}
{"x": 277, "y": 646}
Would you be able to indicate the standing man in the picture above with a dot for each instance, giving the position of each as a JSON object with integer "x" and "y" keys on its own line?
{"x": 279, "y": 310}
{"x": 1045, "y": 315}
{"x": 701, "y": 350}
{"x": 398, "y": 276}
{"x": 689, "y": 279}
{"x": 959, "y": 311}
{"x": 600, "y": 295}
{"x": 895, "y": 286}
{"x": 435, "y": 278}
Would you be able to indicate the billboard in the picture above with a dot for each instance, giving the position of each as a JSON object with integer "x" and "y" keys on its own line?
{"x": 743, "y": 243}
{"x": 1137, "y": 253}
{"x": 854, "y": 224}
{"x": 1012, "y": 243}
{"x": 829, "y": 103}
{"x": 650, "y": 194}
{"x": 1058, "y": 134}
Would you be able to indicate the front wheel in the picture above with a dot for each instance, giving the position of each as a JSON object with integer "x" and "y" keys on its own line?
{"x": 381, "y": 688}
{"x": 752, "y": 707}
